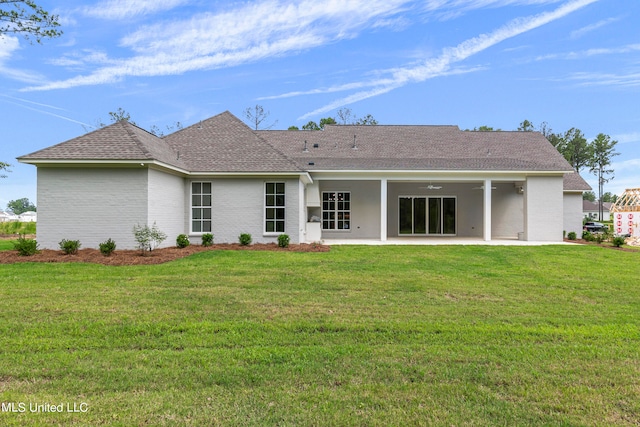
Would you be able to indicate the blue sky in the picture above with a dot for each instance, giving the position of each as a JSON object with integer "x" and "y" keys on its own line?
{"x": 570, "y": 63}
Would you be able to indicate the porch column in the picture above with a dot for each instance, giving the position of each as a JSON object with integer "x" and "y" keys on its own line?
{"x": 487, "y": 210}
{"x": 383, "y": 209}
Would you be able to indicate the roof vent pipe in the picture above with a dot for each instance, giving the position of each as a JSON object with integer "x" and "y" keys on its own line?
{"x": 305, "y": 149}
{"x": 354, "y": 146}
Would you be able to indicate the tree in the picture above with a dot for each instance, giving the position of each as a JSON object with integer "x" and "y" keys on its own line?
{"x": 600, "y": 164}
{"x": 155, "y": 130}
{"x": 327, "y": 121}
{"x": 608, "y": 197}
{"x": 293, "y": 128}
{"x": 27, "y": 18}
{"x": 311, "y": 126}
{"x": 21, "y": 205}
{"x": 526, "y": 126}
{"x": 4, "y": 167}
{"x": 367, "y": 120}
{"x": 575, "y": 149}
{"x": 256, "y": 115}
{"x": 589, "y": 195}
{"x": 345, "y": 115}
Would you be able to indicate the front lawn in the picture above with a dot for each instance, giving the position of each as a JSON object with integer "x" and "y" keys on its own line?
{"x": 429, "y": 335}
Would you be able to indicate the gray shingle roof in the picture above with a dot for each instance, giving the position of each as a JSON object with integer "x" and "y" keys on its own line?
{"x": 223, "y": 143}
{"x": 119, "y": 141}
{"x": 417, "y": 147}
{"x": 574, "y": 182}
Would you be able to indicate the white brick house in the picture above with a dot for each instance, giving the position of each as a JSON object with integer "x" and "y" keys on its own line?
{"x": 345, "y": 182}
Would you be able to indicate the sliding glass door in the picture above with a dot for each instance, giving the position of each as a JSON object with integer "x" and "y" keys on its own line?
{"x": 420, "y": 215}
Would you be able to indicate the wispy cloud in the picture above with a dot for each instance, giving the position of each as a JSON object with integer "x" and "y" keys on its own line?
{"x": 123, "y": 9}
{"x": 591, "y": 52}
{"x": 624, "y": 138}
{"x": 589, "y": 28}
{"x": 8, "y": 46}
{"x": 31, "y": 105}
{"x": 630, "y": 79}
{"x": 242, "y": 35}
{"x": 434, "y": 67}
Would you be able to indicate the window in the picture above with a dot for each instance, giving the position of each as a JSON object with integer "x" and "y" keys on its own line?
{"x": 274, "y": 207}
{"x": 201, "y": 207}
{"x": 336, "y": 210}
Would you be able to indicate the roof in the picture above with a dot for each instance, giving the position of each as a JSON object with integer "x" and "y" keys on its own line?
{"x": 223, "y": 143}
{"x": 384, "y": 147}
{"x": 589, "y": 206}
{"x": 119, "y": 141}
{"x": 575, "y": 182}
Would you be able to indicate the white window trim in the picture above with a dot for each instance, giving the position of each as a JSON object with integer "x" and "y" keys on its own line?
{"x": 199, "y": 233}
{"x": 264, "y": 209}
{"x": 335, "y": 220}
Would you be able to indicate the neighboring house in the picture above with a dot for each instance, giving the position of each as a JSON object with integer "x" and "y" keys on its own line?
{"x": 591, "y": 210}
{"x": 28, "y": 216}
{"x": 345, "y": 182}
{"x": 7, "y": 217}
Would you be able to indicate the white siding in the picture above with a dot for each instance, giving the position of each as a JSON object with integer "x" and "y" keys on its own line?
{"x": 238, "y": 207}
{"x": 365, "y": 209}
{"x": 507, "y": 218}
{"x": 166, "y": 204}
{"x": 543, "y": 209}
{"x": 573, "y": 213}
{"x": 90, "y": 205}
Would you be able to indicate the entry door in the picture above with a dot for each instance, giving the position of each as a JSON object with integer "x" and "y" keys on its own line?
{"x": 419, "y": 215}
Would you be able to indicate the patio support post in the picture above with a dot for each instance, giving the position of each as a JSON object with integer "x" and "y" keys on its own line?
{"x": 383, "y": 209}
{"x": 487, "y": 210}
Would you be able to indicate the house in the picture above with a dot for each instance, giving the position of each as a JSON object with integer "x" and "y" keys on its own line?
{"x": 28, "y": 216}
{"x": 345, "y": 182}
{"x": 7, "y": 217}
{"x": 591, "y": 210}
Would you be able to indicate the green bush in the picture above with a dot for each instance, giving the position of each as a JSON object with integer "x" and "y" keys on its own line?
{"x": 26, "y": 247}
{"x": 618, "y": 241}
{"x": 283, "y": 240}
{"x": 588, "y": 236}
{"x": 207, "y": 239}
{"x": 107, "y": 247}
{"x": 245, "y": 239}
{"x": 182, "y": 241}
{"x": 572, "y": 235}
{"x": 148, "y": 238}
{"x": 70, "y": 247}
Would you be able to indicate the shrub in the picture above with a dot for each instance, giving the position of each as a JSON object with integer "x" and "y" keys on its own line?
{"x": 572, "y": 235}
{"x": 588, "y": 236}
{"x": 182, "y": 241}
{"x": 618, "y": 241}
{"x": 70, "y": 247}
{"x": 107, "y": 247}
{"x": 148, "y": 238}
{"x": 26, "y": 247}
{"x": 245, "y": 239}
{"x": 207, "y": 239}
{"x": 283, "y": 240}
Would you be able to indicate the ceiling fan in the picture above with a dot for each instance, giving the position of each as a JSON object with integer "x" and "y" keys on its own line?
{"x": 431, "y": 187}
{"x": 482, "y": 188}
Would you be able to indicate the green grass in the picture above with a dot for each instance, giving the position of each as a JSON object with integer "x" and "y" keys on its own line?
{"x": 6, "y": 245}
{"x": 431, "y": 335}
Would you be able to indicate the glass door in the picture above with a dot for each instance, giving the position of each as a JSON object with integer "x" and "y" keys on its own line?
{"x": 419, "y": 215}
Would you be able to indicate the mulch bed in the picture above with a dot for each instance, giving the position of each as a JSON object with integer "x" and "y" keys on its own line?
{"x": 608, "y": 246}
{"x": 158, "y": 256}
